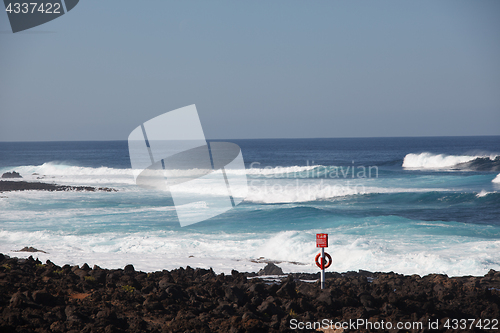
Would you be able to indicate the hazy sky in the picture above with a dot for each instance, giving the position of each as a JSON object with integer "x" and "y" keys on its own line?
{"x": 255, "y": 69}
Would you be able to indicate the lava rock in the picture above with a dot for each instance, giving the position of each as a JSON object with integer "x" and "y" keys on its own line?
{"x": 12, "y": 174}
{"x": 49, "y": 298}
{"x": 270, "y": 269}
{"x": 129, "y": 269}
{"x": 30, "y": 249}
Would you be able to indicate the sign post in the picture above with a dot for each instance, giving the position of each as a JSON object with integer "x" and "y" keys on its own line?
{"x": 322, "y": 242}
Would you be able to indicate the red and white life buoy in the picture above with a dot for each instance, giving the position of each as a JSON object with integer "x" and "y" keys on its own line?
{"x": 323, "y": 265}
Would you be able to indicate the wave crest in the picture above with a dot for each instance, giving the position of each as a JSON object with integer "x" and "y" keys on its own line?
{"x": 461, "y": 162}
{"x": 55, "y": 171}
{"x": 496, "y": 179}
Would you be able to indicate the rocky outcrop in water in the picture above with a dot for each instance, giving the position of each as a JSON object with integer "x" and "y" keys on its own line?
{"x": 270, "y": 269}
{"x": 12, "y": 174}
{"x": 30, "y": 249}
{"x": 8, "y": 186}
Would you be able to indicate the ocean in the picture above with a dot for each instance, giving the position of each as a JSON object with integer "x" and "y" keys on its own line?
{"x": 408, "y": 205}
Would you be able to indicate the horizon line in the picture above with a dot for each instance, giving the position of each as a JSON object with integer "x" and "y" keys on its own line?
{"x": 301, "y": 138}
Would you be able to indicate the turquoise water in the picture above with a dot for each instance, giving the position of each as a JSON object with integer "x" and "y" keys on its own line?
{"x": 412, "y": 205}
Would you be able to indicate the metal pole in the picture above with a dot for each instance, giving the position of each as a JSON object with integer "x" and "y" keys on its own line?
{"x": 322, "y": 268}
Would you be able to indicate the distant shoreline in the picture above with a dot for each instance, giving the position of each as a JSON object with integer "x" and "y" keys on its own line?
{"x": 9, "y": 186}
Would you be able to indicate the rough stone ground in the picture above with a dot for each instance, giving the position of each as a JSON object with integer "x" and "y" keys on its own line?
{"x": 37, "y": 297}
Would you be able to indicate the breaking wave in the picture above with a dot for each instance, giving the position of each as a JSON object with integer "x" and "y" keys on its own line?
{"x": 151, "y": 251}
{"x": 452, "y": 162}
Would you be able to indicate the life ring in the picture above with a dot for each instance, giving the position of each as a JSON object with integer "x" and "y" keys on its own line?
{"x": 323, "y": 265}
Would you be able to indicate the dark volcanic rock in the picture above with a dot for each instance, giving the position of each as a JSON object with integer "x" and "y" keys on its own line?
{"x": 12, "y": 174}
{"x": 270, "y": 269}
{"x": 7, "y": 186}
{"x": 36, "y": 297}
{"x": 129, "y": 269}
{"x": 43, "y": 297}
{"x": 30, "y": 249}
{"x": 287, "y": 290}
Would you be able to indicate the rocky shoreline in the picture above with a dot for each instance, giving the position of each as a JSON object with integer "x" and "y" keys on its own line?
{"x": 8, "y": 186}
{"x": 43, "y": 297}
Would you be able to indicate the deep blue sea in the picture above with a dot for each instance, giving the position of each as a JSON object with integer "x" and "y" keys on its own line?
{"x": 409, "y": 205}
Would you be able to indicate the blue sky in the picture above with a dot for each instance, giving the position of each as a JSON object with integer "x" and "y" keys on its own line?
{"x": 255, "y": 69}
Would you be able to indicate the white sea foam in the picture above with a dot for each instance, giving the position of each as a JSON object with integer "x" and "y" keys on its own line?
{"x": 269, "y": 191}
{"x": 483, "y": 193}
{"x": 293, "y": 250}
{"x": 55, "y": 169}
{"x": 439, "y": 161}
{"x": 260, "y": 190}
{"x": 77, "y": 175}
{"x": 496, "y": 179}
{"x": 291, "y": 192}
{"x": 74, "y": 175}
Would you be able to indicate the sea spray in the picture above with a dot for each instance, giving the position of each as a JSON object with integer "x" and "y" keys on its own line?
{"x": 440, "y": 161}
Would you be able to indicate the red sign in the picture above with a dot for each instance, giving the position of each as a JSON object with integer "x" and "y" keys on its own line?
{"x": 321, "y": 240}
